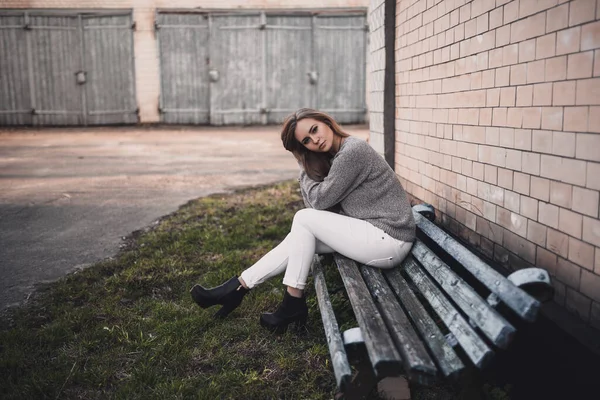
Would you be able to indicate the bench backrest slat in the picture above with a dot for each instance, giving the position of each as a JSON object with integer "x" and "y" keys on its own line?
{"x": 492, "y": 324}
{"x": 479, "y": 353}
{"x": 382, "y": 351}
{"x": 418, "y": 365}
{"x": 519, "y": 301}
{"x": 339, "y": 359}
{"x": 448, "y": 362}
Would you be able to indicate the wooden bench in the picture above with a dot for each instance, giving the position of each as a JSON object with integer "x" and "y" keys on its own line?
{"x": 412, "y": 319}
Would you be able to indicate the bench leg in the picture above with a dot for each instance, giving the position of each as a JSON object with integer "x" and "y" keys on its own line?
{"x": 364, "y": 380}
{"x": 363, "y": 383}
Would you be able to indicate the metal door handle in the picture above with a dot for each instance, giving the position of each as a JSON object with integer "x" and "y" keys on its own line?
{"x": 213, "y": 74}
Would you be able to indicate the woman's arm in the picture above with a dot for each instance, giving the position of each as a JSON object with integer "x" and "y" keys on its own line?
{"x": 348, "y": 170}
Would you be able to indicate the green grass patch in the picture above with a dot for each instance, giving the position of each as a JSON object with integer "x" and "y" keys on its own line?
{"x": 127, "y": 328}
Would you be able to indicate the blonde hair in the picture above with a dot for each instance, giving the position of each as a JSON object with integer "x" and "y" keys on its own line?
{"x": 315, "y": 164}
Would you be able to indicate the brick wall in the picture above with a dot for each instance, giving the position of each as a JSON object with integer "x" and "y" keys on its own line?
{"x": 376, "y": 72}
{"x": 498, "y": 126}
{"x": 147, "y": 73}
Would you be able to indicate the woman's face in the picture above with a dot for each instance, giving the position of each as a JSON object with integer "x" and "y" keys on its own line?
{"x": 314, "y": 135}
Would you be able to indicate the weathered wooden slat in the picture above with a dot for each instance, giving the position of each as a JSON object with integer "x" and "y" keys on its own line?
{"x": 519, "y": 301}
{"x": 383, "y": 354}
{"x": 339, "y": 359}
{"x": 418, "y": 365}
{"x": 471, "y": 343}
{"x": 447, "y": 360}
{"x": 492, "y": 324}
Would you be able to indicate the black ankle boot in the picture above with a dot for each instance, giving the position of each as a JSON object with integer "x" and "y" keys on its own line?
{"x": 229, "y": 294}
{"x": 292, "y": 309}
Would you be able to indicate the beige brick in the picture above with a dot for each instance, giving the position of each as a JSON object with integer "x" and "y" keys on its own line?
{"x": 531, "y": 162}
{"x": 507, "y": 137}
{"x": 585, "y": 201}
{"x": 470, "y": 28}
{"x": 580, "y": 65}
{"x": 568, "y": 273}
{"x": 556, "y": 69}
{"x": 485, "y": 116}
{"x": 590, "y": 285}
{"x": 542, "y": 141}
{"x": 581, "y": 11}
{"x": 536, "y": 233}
{"x": 514, "y": 223}
{"x": 521, "y": 184}
{"x": 496, "y": 17}
{"x": 528, "y": 28}
{"x": 532, "y": 117}
{"x": 505, "y": 178}
{"x": 596, "y": 71}
{"x": 578, "y": 304}
{"x": 563, "y": 143}
{"x": 547, "y": 214}
{"x": 502, "y": 76}
{"x": 540, "y": 189}
{"x": 545, "y": 46}
{"x": 552, "y": 117}
{"x": 527, "y": 50}
{"x": 561, "y": 194}
{"x": 514, "y": 159}
{"x": 511, "y": 11}
{"x": 542, "y": 94}
{"x": 478, "y": 171}
{"x": 571, "y": 223}
{"x": 507, "y": 96}
{"x": 525, "y": 95}
{"x": 594, "y": 120}
{"x": 499, "y": 116}
{"x": 557, "y": 18}
{"x": 510, "y": 54}
{"x": 488, "y": 78}
{"x": 514, "y": 117}
{"x": 563, "y": 93}
{"x": 536, "y": 71}
{"x": 590, "y": 36}
{"x": 581, "y": 253}
{"x": 518, "y": 74}
{"x": 495, "y": 58}
{"x": 490, "y": 174}
{"x": 588, "y": 92}
{"x": 492, "y": 98}
{"x": 492, "y": 136}
{"x": 557, "y": 242}
{"x": 482, "y": 23}
{"x": 588, "y": 147}
{"x": 522, "y": 139}
{"x": 573, "y": 171}
{"x": 529, "y": 208}
{"x": 546, "y": 260}
{"x": 568, "y": 41}
{"x": 576, "y": 119}
{"x": 511, "y": 201}
{"x": 593, "y": 172}
{"x": 591, "y": 231}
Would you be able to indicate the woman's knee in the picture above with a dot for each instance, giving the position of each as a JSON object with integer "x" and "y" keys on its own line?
{"x": 304, "y": 216}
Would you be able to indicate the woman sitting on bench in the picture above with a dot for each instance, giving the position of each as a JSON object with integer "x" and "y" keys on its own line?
{"x": 356, "y": 206}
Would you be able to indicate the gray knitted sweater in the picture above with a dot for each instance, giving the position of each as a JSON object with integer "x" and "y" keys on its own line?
{"x": 365, "y": 187}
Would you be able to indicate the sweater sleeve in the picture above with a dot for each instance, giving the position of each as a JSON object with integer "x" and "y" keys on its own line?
{"x": 348, "y": 170}
{"x": 303, "y": 189}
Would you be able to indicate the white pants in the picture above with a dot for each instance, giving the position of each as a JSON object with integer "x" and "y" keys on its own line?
{"x": 316, "y": 231}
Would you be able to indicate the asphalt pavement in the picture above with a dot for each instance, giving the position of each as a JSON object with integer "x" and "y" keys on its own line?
{"x": 68, "y": 197}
